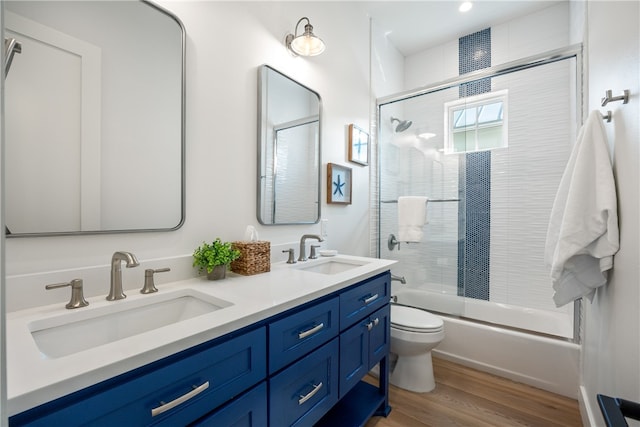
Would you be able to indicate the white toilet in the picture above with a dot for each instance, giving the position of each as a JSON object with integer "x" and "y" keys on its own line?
{"x": 414, "y": 333}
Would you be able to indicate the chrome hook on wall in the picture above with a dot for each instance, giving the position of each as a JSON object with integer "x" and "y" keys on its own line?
{"x": 607, "y": 116}
{"x": 610, "y": 98}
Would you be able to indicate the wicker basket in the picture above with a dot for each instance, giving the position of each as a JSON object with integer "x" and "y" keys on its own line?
{"x": 255, "y": 258}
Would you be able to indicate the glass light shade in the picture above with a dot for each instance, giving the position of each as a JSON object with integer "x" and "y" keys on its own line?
{"x": 307, "y": 45}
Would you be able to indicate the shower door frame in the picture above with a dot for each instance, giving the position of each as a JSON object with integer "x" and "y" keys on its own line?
{"x": 549, "y": 57}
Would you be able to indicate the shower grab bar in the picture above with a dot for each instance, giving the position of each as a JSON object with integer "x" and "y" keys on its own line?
{"x": 429, "y": 201}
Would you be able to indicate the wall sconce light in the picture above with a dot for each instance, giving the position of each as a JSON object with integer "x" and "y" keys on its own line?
{"x": 306, "y": 44}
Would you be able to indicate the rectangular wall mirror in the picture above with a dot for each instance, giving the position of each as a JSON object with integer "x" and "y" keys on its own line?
{"x": 289, "y": 123}
{"x": 94, "y": 106}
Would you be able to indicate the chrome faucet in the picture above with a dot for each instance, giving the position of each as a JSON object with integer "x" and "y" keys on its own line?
{"x": 115, "y": 292}
{"x": 303, "y": 252}
{"x": 77, "y": 295}
{"x": 400, "y": 279}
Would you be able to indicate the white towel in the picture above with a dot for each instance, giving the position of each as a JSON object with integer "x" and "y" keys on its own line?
{"x": 583, "y": 229}
{"x": 412, "y": 215}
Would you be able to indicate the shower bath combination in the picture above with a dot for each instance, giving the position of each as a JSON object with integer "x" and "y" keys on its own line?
{"x": 475, "y": 246}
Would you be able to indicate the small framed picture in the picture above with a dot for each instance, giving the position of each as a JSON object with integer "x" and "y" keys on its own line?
{"x": 338, "y": 184}
{"x": 358, "y": 145}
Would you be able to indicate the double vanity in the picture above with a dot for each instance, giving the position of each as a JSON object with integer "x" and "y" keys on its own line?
{"x": 288, "y": 347}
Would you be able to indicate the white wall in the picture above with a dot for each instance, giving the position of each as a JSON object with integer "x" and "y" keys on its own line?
{"x": 611, "y": 346}
{"x": 226, "y": 42}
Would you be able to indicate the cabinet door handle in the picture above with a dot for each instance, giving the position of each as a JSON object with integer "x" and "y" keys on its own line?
{"x": 372, "y": 323}
{"x": 316, "y": 388}
{"x": 167, "y": 406}
{"x": 302, "y": 335}
{"x": 370, "y": 299}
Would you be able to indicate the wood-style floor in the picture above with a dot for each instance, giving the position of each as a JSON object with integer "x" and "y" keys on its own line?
{"x": 467, "y": 397}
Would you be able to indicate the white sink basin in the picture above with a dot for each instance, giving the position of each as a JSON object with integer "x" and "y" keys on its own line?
{"x": 89, "y": 327}
{"x": 332, "y": 266}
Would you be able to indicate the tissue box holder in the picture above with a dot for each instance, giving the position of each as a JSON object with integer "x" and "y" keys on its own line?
{"x": 255, "y": 258}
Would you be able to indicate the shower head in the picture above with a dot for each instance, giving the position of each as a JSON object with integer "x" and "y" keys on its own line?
{"x": 402, "y": 124}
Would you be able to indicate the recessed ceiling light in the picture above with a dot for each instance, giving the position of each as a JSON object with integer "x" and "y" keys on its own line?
{"x": 465, "y": 6}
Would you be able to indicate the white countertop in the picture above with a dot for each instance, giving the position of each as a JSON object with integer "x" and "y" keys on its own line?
{"x": 34, "y": 378}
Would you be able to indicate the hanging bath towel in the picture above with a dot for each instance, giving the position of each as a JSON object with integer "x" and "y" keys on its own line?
{"x": 583, "y": 228}
{"x": 412, "y": 216}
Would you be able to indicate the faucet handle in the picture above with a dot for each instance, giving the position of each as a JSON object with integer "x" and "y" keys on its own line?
{"x": 292, "y": 255}
{"x": 313, "y": 254}
{"x": 77, "y": 295}
{"x": 150, "y": 287}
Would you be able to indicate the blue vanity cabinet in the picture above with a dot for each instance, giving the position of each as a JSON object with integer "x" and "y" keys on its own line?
{"x": 174, "y": 391}
{"x": 300, "y": 367}
{"x": 365, "y": 338}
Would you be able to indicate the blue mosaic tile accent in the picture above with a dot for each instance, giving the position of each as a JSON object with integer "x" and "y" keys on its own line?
{"x": 475, "y": 213}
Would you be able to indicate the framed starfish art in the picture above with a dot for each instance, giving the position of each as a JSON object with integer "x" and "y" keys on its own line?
{"x": 338, "y": 184}
{"x": 358, "y": 145}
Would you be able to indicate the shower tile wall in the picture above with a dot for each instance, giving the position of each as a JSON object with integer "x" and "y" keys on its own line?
{"x": 524, "y": 181}
{"x": 474, "y": 53}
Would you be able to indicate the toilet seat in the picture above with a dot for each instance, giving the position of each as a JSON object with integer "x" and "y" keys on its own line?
{"x": 415, "y": 320}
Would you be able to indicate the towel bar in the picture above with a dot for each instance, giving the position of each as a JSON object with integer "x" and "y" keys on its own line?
{"x": 429, "y": 201}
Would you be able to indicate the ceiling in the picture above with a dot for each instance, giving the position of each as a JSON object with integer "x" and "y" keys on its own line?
{"x": 413, "y": 26}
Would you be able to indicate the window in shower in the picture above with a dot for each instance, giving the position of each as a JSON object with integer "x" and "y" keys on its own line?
{"x": 476, "y": 123}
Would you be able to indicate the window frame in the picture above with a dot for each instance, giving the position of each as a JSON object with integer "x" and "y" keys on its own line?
{"x": 450, "y": 108}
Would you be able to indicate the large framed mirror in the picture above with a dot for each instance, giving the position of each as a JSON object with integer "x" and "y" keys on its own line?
{"x": 289, "y": 123}
{"x": 94, "y": 118}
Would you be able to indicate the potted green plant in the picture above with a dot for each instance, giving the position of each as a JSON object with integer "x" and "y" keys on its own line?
{"x": 214, "y": 258}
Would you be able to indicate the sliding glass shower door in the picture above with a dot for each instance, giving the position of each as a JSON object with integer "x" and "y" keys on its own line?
{"x": 490, "y": 165}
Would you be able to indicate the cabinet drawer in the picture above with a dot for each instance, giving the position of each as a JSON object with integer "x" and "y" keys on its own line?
{"x": 249, "y": 410}
{"x": 190, "y": 387}
{"x": 364, "y": 299}
{"x": 305, "y": 391}
{"x": 299, "y": 333}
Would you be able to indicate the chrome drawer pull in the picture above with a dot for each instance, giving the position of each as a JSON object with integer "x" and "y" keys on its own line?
{"x": 370, "y": 299}
{"x": 316, "y": 388}
{"x": 311, "y": 331}
{"x": 369, "y": 326}
{"x": 376, "y": 321}
{"x": 164, "y": 407}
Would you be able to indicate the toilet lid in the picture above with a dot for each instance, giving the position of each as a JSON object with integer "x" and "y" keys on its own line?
{"x": 414, "y": 319}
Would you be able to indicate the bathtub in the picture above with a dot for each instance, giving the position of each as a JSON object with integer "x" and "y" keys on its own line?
{"x": 541, "y": 361}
